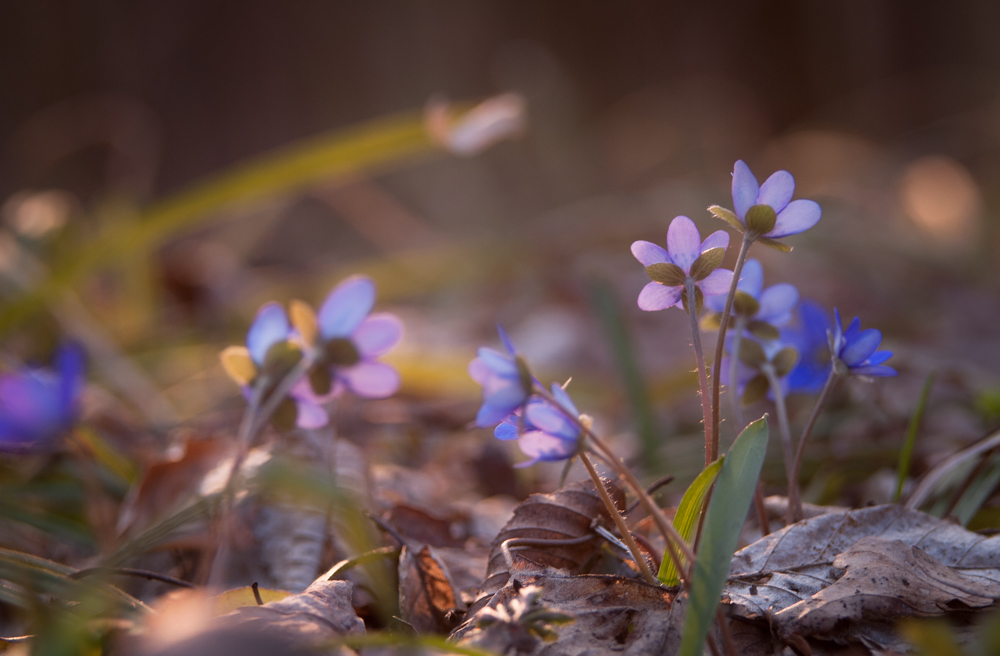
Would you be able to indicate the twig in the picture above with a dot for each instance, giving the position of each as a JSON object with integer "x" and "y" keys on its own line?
{"x": 129, "y": 571}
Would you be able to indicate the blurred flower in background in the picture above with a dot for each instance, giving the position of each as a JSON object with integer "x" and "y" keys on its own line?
{"x": 38, "y": 405}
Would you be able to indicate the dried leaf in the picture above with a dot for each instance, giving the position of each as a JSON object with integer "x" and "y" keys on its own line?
{"x": 422, "y": 527}
{"x": 426, "y": 594}
{"x": 788, "y": 575}
{"x": 886, "y": 579}
{"x": 567, "y": 513}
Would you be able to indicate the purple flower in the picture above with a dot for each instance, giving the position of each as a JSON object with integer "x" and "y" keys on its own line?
{"x": 38, "y": 405}
{"x": 768, "y": 209}
{"x": 350, "y": 340}
{"x": 546, "y": 433}
{"x": 762, "y": 310}
{"x": 272, "y": 353}
{"x": 686, "y": 258}
{"x": 857, "y": 350}
{"x": 810, "y": 337}
{"x": 506, "y": 381}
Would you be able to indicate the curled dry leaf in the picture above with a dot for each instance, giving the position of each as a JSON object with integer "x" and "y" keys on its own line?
{"x": 564, "y": 514}
{"x": 426, "y": 594}
{"x": 866, "y": 566}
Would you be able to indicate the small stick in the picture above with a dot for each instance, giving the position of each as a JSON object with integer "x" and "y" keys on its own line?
{"x": 129, "y": 571}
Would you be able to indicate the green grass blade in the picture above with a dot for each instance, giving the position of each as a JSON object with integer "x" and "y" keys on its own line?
{"x": 721, "y": 531}
{"x": 906, "y": 454}
{"x": 687, "y": 516}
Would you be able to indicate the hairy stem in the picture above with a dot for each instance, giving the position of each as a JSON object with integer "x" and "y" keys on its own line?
{"x": 717, "y": 363}
{"x": 711, "y": 437}
{"x": 797, "y": 463}
{"x": 734, "y": 362}
{"x": 616, "y": 515}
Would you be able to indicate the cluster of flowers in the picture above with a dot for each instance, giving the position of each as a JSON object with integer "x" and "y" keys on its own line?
{"x": 771, "y": 332}
{"x": 337, "y": 347}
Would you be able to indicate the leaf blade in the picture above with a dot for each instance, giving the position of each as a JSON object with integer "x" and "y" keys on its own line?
{"x": 687, "y": 516}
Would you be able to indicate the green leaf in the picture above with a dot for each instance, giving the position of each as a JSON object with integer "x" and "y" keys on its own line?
{"x": 761, "y": 219}
{"x": 763, "y": 330}
{"x": 687, "y": 516}
{"x": 727, "y": 216}
{"x": 756, "y": 389}
{"x": 707, "y": 262}
{"x": 784, "y": 361}
{"x": 752, "y": 354}
{"x": 666, "y": 273}
{"x": 906, "y": 453}
{"x": 721, "y": 531}
{"x": 774, "y": 243}
{"x": 745, "y": 304}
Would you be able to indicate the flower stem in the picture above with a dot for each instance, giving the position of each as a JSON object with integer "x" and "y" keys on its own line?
{"x": 796, "y": 513}
{"x": 717, "y": 363}
{"x": 673, "y": 539}
{"x": 711, "y": 436}
{"x": 616, "y": 515}
{"x": 734, "y": 363}
{"x": 786, "y": 439}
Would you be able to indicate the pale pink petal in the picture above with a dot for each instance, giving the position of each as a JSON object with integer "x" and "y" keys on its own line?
{"x": 777, "y": 190}
{"x": 649, "y": 253}
{"x": 309, "y": 415}
{"x": 655, "y": 296}
{"x": 373, "y": 380}
{"x": 745, "y": 189}
{"x": 718, "y": 239}
{"x": 377, "y": 334}
{"x": 346, "y": 306}
{"x": 717, "y": 282}
{"x": 683, "y": 242}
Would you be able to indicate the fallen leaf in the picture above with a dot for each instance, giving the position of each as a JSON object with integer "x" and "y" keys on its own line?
{"x": 564, "y": 514}
{"x": 426, "y": 594}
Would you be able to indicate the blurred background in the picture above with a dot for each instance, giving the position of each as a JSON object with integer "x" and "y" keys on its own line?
{"x": 886, "y": 112}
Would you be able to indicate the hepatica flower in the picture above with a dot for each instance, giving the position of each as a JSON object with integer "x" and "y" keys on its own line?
{"x": 39, "y": 405}
{"x": 766, "y": 212}
{"x": 507, "y": 382}
{"x": 546, "y": 433}
{"x": 810, "y": 335}
{"x": 762, "y": 310}
{"x": 349, "y": 340}
{"x": 857, "y": 350}
{"x": 686, "y": 258}
{"x": 752, "y": 383}
{"x": 269, "y": 356}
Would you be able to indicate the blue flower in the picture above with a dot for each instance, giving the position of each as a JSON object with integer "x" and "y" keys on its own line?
{"x": 810, "y": 337}
{"x": 39, "y": 405}
{"x": 506, "y": 381}
{"x": 858, "y": 349}
{"x": 687, "y": 257}
{"x": 546, "y": 433}
{"x": 768, "y": 209}
{"x": 771, "y": 306}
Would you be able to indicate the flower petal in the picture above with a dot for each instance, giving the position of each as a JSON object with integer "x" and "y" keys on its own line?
{"x": 655, "y": 296}
{"x": 718, "y": 239}
{"x": 777, "y": 190}
{"x": 745, "y": 189}
{"x": 861, "y": 348}
{"x": 505, "y": 430}
{"x": 879, "y": 370}
{"x": 542, "y": 446}
{"x": 544, "y": 417}
{"x": 799, "y": 216}
{"x": 498, "y": 363}
{"x": 562, "y": 398}
{"x": 268, "y": 328}
{"x": 776, "y": 302}
{"x": 346, "y": 306}
{"x": 683, "y": 242}
{"x": 377, "y": 334}
{"x": 310, "y": 415}
{"x": 879, "y": 357}
{"x": 509, "y": 345}
{"x": 70, "y": 363}
{"x": 372, "y": 380}
{"x": 751, "y": 278}
{"x": 649, "y": 253}
{"x": 717, "y": 282}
